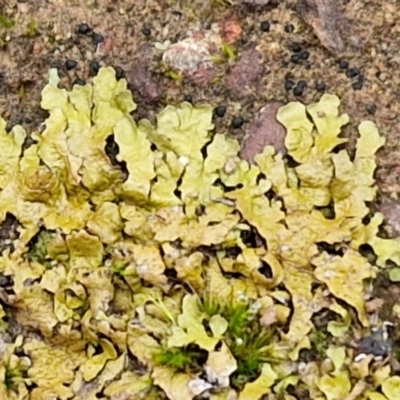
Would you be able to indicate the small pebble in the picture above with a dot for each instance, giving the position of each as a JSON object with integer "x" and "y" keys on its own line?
{"x": 94, "y": 67}
{"x": 97, "y": 38}
{"x": 78, "y": 81}
{"x": 371, "y": 108}
{"x": 70, "y": 64}
{"x": 146, "y": 31}
{"x": 299, "y": 89}
{"x": 289, "y": 28}
{"x": 220, "y": 111}
{"x": 289, "y": 84}
{"x": 320, "y": 87}
{"x": 264, "y": 26}
{"x": 305, "y": 54}
{"x": 237, "y": 122}
{"x": 343, "y": 64}
{"x": 84, "y": 29}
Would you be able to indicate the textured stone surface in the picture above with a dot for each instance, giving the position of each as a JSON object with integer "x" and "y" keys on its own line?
{"x": 391, "y": 211}
{"x": 245, "y": 74}
{"x": 144, "y": 83}
{"x": 264, "y": 130}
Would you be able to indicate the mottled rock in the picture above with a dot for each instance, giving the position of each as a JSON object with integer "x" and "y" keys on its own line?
{"x": 322, "y": 16}
{"x": 192, "y": 58}
{"x": 256, "y": 2}
{"x": 246, "y": 73}
{"x": 230, "y": 30}
{"x": 329, "y": 21}
{"x": 391, "y": 211}
{"x": 188, "y": 55}
{"x": 144, "y": 82}
{"x": 263, "y": 131}
{"x": 377, "y": 344}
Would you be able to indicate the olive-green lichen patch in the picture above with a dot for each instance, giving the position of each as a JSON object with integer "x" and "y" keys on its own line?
{"x": 178, "y": 270}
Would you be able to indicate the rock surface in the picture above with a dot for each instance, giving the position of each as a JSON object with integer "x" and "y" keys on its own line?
{"x": 321, "y": 15}
{"x": 257, "y": 2}
{"x": 193, "y": 56}
{"x": 264, "y": 130}
{"x": 245, "y": 74}
{"x": 391, "y": 211}
{"x": 144, "y": 83}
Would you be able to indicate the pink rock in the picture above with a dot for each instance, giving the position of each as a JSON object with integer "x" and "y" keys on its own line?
{"x": 145, "y": 83}
{"x": 246, "y": 73}
{"x": 256, "y": 2}
{"x": 192, "y": 57}
{"x": 230, "y": 30}
{"x": 391, "y": 211}
{"x": 263, "y": 131}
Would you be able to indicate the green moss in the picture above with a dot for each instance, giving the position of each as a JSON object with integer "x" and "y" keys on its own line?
{"x": 229, "y": 52}
{"x": 319, "y": 340}
{"x": 6, "y": 22}
{"x": 250, "y": 343}
{"x": 32, "y": 30}
{"x": 38, "y": 248}
{"x": 12, "y": 375}
{"x": 174, "y": 75}
{"x": 183, "y": 359}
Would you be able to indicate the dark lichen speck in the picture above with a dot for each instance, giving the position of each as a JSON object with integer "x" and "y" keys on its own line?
{"x": 343, "y": 64}
{"x": 265, "y": 26}
{"x": 94, "y": 67}
{"x": 237, "y": 122}
{"x": 296, "y": 48}
{"x": 84, "y": 29}
{"x": 289, "y": 83}
{"x": 289, "y": 28}
{"x": 220, "y": 111}
{"x": 119, "y": 73}
{"x": 352, "y": 72}
{"x": 70, "y": 64}
{"x": 146, "y": 31}
{"x": 78, "y": 81}
{"x": 305, "y": 54}
{"x": 320, "y": 87}
{"x": 188, "y": 98}
{"x": 371, "y": 108}
{"x": 299, "y": 89}
{"x": 97, "y": 38}
{"x": 295, "y": 58}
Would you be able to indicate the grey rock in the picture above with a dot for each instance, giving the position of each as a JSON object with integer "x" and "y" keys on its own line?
{"x": 375, "y": 344}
